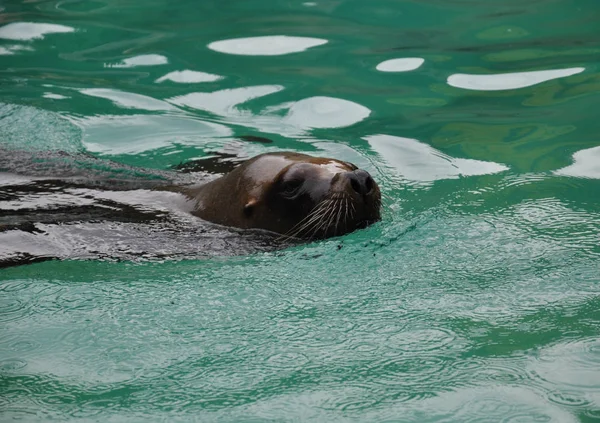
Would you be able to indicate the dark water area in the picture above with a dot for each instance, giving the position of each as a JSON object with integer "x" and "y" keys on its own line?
{"x": 475, "y": 299}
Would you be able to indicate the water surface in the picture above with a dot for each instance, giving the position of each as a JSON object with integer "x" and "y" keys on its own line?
{"x": 474, "y": 300}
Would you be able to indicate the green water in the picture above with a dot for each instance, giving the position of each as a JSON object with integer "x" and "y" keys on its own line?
{"x": 476, "y": 299}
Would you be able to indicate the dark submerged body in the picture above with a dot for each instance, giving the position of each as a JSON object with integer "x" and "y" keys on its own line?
{"x": 95, "y": 209}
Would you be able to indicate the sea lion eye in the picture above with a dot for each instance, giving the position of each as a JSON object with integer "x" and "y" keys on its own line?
{"x": 290, "y": 187}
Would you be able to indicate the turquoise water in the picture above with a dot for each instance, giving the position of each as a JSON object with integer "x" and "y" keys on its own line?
{"x": 476, "y": 299}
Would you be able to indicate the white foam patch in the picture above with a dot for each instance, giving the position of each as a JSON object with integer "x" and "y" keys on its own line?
{"x": 27, "y": 31}
{"x": 271, "y": 45}
{"x": 508, "y": 81}
{"x": 142, "y": 60}
{"x": 189, "y": 77}
{"x": 586, "y": 164}
{"x": 420, "y": 163}
{"x": 400, "y": 65}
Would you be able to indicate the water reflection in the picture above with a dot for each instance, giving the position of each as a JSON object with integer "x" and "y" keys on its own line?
{"x": 272, "y": 45}
{"x": 508, "y": 81}
{"x": 128, "y": 100}
{"x": 224, "y": 102}
{"x": 492, "y": 403}
{"x": 400, "y": 65}
{"x": 9, "y": 50}
{"x": 483, "y": 318}
{"x": 586, "y": 164}
{"x": 189, "y": 77}
{"x": 573, "y": 364}
{"x": 418, "y": 162}
{"x": 105, "y": 134}
{"x": 54, "y": 96}
{"x": 325, "y": 112}
{"x": 292, "y": 119}
{"x": 142, "y": 60}
{"x": 26, "y": 31}
{"x": 302, "y": 115}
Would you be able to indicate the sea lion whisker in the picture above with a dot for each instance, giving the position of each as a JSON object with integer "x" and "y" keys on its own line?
{"x": 314, "y": 215}
{"x": 311, "y": 224}
{"x": 318, "y": 227}
{"x": 331, "y": 219}
{"x": 346, "y": 216}
{"x": 325, "y": 222}
{"x": 339, "y": 214}
{"x": 337, "y": 221}
{"x": 320, "y": 210}
{"x": 314, "y": 229}
{"x": 335, "y": 216}
{"x": 330, "y": 212}
{"x": 303, "y": 224}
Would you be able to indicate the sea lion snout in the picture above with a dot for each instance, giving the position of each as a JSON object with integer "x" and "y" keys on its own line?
{"x": 361, "y": 191}
{"x": 360, "y": 181}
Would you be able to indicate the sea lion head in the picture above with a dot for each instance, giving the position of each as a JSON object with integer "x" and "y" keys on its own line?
{"x": 293, "y": 194}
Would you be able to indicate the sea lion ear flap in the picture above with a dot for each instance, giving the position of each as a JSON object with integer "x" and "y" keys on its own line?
{"x": 249, "y": 207}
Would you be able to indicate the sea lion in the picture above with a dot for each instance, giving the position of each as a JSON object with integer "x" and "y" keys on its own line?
{"x": 292, "y": 194}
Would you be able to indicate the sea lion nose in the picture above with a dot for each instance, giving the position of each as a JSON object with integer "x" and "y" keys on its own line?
{"x": 361, "y": 181}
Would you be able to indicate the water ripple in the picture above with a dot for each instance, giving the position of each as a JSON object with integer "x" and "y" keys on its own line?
{"x": 13, "y": 309}
{"x": 495, "y": 370}
{"x": 287, "y": 360}
{"x": 568, "y": 398}
{"x": 12, "y": 365}
{"x": 423, "y": 340}
{"x": 493, "y": 403}
{"x": 484, "y": 142}
{"x": 572, "y": 364}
